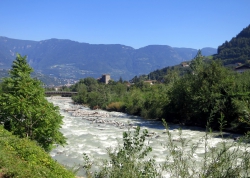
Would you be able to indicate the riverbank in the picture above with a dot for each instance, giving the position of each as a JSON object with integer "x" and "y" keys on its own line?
{"x": 93, "y": 131}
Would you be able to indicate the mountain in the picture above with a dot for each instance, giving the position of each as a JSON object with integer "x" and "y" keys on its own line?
{"x": 74, "y": 60}
{"x": 47, "y": 80}
{"x": 237, "y": 50}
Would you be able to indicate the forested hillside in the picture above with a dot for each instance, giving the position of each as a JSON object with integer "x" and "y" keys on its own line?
{"x": 237, "y": 50}
{"x": 162, "y": 75}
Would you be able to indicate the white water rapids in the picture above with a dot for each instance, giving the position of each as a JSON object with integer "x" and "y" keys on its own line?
{"x": 96, "y": 130}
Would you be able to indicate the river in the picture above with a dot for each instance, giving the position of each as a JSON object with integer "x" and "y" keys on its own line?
{"x": 93, "y": 131}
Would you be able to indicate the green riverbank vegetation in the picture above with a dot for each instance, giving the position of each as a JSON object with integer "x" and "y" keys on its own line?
{"x": 21, "y": 157}
{"x": 208, "y": 90}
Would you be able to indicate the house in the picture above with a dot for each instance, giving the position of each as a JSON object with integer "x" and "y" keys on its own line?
{"x": 184, "y": 64}
{"x": 105, "y": 78}
{"x": 151, "y": 82}
{"x": 242, "y": 68}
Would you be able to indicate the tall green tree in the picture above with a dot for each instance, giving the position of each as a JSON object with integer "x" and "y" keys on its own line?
{"x": 24, "y": 109}
{"x": 205, "y": 94}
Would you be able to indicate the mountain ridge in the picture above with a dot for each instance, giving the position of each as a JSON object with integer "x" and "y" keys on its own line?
{"x": 71, "y": 59}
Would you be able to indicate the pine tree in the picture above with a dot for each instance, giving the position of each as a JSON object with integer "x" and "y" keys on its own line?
{"x": 24, "y": 109}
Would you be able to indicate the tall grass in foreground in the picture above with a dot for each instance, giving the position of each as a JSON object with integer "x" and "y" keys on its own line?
{"x": 131, "y": 160}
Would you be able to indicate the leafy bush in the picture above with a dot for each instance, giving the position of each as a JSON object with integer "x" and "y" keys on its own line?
{"x": 24, "y": 158}
{"x": 115, "y": 106}
{"x": 129, "y": 160}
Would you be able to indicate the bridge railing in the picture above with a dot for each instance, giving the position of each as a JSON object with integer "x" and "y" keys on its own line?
{"x": 61, "y": 93}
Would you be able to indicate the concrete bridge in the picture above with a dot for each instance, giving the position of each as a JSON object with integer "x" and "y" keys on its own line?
{"x": 60, "y": 93}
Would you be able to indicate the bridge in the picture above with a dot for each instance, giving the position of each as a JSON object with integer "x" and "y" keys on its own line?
{"x": 60, "y": 93}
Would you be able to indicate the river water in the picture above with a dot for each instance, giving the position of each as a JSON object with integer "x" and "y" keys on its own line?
{"x": 93, "y": 131}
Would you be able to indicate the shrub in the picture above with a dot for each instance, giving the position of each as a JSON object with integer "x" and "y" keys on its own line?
{"x": 127, "y": 160}
{"x": 24, "y": 158}
{"x": 115, "y": 106}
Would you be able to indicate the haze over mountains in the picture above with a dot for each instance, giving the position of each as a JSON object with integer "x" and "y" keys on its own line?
{"x": 74, "y": 60}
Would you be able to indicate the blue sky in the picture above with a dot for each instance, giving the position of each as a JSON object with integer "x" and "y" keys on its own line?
{"x": 136, "y": 23}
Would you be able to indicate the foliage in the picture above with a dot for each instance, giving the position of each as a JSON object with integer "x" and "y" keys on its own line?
{"x": 208, "y": 91}
{"x": 237, "y": 50}
{"x": 24, "y": 109}
{"x": 162, "y": 75}
{"x": 115, "y": 106}
{"x": 140, "y": 99}
{"x": 241, "y": 100}
{"x": 127, "y": 160}
{"x": 24, "y": 158}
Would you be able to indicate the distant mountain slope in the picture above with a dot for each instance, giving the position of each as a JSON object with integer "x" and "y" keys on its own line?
{"x": 46, "y": 80}
{"x": 237, "y": 49}
{"x": 70, "y": 59}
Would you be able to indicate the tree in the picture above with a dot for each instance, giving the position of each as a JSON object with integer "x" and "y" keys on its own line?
{"x": 91, "y": 84}
{"x": 24, "y": 109}
{"x": 172, "y": 76}
{"x": 82, "y": 93}
{"x": 197, "y": 63}
{"x": 129, "y": 159}
{"x": 120, "y": 80}
{"x": 1, "y": 86}
{"x": 204, "y": 94}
